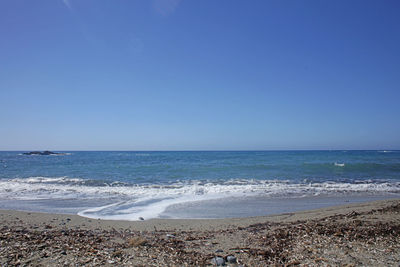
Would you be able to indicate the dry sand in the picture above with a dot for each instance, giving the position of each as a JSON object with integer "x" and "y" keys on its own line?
{"x": 366, "y": 234}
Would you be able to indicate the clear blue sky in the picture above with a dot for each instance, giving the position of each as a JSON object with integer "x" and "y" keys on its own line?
{"x": 199, "y": 75}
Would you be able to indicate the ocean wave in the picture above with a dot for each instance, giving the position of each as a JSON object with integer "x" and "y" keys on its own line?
{"x": 60, "y": 186}
{"x": 150, "y": 200}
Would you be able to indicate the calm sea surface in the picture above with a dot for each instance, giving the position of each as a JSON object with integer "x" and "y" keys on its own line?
{"x": 129, "y": 185}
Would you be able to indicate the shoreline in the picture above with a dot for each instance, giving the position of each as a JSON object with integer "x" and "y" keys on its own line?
{"x": 218, "y": 208}
{"x": 74, "y": 220}
{"x": 358, "y": 234}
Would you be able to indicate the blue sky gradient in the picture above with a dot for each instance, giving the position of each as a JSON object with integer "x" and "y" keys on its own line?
{"x": 199, "y": 75}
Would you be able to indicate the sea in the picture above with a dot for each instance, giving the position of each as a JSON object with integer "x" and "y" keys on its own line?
{"x": 136, "y": 185}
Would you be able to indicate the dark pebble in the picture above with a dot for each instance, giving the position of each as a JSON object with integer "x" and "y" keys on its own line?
{"x": 231, "y": 259}
{"x": 218, "y": 261}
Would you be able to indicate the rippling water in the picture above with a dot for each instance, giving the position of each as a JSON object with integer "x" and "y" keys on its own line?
{"x": 129, "y": 185}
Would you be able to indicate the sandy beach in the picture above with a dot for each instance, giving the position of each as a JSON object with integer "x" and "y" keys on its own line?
{"x": 366, "y": 234}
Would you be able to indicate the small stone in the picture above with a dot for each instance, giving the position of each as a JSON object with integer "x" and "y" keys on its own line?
{"x": 141, "y": 218}
{"x": 219, "y": 251}
{"x": 231, "y": 259}
{"x": 170, "y": 236}
{"x": 218, "y": 261}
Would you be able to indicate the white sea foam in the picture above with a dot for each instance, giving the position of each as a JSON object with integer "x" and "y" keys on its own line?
{"x": 147, "y": 208}
{"x": 149, "y": 201}
{"x": 339, "y": 164}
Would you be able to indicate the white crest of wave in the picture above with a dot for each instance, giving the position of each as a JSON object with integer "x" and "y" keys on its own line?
{"x": 61, "y": 185}
{"x": 149, "y": 201}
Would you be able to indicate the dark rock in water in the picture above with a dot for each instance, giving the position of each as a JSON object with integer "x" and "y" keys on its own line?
{"x": 42, "y": 153}
{"x": 218, "y": 261}
{"x": 48, "y": 153}
{"x": 32, "y": 153}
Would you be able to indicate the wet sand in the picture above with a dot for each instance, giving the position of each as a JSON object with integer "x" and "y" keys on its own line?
{"x": 364, "y": 234}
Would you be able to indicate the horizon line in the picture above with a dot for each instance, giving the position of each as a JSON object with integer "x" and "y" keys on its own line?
{"x": 206, "y": 150}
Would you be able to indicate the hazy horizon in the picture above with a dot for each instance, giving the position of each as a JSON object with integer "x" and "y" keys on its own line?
{"x": 204, "y": 150}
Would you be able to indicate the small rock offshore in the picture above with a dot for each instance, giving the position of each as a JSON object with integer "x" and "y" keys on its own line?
{"x": 43, "y": 153}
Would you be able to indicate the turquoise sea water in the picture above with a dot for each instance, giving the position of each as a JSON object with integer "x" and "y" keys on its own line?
{"x": 129, "y": 185}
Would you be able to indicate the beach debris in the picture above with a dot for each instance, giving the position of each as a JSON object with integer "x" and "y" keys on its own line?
{"x": 137, "y": 242}
{"x": 364, "y": 238}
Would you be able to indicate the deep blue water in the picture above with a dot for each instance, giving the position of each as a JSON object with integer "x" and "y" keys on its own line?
{"x": 149, "y": 183}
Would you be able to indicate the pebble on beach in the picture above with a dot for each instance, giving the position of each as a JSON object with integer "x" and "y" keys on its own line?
{"x": 218, "y": 261}
{"x": 231, "y": 259}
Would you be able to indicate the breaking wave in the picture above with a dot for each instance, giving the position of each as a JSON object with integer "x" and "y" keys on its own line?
{"x": 131, "y": 201}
